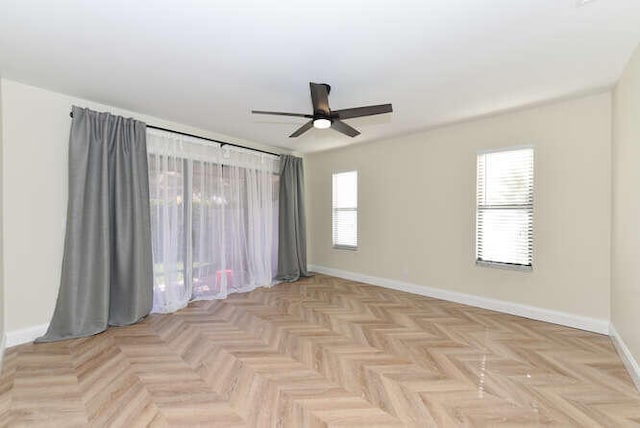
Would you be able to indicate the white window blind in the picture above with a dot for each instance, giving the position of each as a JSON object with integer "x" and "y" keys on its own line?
{"x": 504, "y": 216}
{"x": 345, "y": 210}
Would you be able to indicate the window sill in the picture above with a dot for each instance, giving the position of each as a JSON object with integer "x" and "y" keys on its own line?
{"x": 505, "y": 266}
{"x": 345, "y": 247}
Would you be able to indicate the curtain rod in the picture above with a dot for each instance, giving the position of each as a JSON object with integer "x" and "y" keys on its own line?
{"x": 222, "y": 143}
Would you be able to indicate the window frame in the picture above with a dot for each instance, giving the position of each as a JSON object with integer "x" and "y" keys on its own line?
{"x": 335, "y": 209}
{"x": 531, "y": 206}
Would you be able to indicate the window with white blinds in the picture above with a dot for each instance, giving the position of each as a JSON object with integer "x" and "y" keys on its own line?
{"x": 504, "y": 216}
{"x": 345, "y": 210}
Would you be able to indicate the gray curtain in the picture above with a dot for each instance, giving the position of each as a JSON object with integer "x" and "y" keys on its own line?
{"x": 107, "y": 273}
{"x": 292, "y": 243}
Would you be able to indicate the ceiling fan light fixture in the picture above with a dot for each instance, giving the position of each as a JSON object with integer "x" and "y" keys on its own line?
{"x": 321, "y": 123}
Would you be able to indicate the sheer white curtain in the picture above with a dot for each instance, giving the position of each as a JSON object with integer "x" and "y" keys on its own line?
{"x": 214, "y": 219}
{"x": 234, "y": 204}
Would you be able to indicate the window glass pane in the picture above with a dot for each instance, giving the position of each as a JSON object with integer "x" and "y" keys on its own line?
{"x": 508, "y": 178}
{"x": 346, "y": 228}
{"x": 346, "y": 190}
{"x": 505, "y": 235}
{"x": 167, "y": 203}
{"x": 345, "y": 209}
{"x": 208, "y": 205}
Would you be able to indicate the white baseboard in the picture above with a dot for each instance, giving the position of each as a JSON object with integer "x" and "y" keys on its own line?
{"x": 627, "y": 357}
{"x": 3, "y": 341}
{"x": 557, "y": 317}
{"x": 25, "y": 335}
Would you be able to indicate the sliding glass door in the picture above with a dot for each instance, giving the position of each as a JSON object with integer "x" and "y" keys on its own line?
{"x": 214, "y": 219}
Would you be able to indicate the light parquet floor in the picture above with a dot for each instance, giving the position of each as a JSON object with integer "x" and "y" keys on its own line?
{"x": 322, "y": 352}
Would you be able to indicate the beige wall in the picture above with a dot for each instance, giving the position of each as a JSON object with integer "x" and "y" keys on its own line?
{"x": 1, "y": 237}
{"x": 625, "y": 287}
{"x": 417, "y": 207}
{"x": 36, "y": 131}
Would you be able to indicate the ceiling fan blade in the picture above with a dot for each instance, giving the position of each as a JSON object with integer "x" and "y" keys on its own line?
{"x": 320, "y": 98}
{"x": 340, "y": 126}
{"x": 350, "y": 113}
{"x": 278, "y": 113}
{"x": 304, "y": 128}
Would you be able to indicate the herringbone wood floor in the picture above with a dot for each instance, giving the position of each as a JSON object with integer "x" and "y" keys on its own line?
{"x": 322, "y": 352}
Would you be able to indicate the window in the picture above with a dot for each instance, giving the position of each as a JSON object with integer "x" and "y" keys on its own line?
{"x": 504, "y": 215}
{"x": 345, "y": 210}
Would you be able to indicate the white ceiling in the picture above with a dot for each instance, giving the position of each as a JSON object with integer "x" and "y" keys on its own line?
{"x": 208, "y": 63}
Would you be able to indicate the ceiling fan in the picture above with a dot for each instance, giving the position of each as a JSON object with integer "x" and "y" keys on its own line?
{"x": 323, "y": 117}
